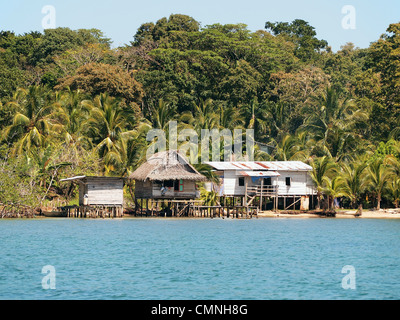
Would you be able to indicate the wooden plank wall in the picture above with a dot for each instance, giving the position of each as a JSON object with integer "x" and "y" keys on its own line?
{"x": 105, "y": 191}
{"x": 301, "y": 183}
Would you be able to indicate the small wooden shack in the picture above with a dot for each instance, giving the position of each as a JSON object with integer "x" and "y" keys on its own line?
{"x": 167, "y": 175}
{"x": 99, "y": 191}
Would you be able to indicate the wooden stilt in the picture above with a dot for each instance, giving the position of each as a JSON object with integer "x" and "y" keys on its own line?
{"x": 261, "y": 196}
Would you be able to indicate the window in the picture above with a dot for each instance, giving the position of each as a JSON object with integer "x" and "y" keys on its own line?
{"x": 288, "y": 181}
{"x": 267, "y": 181}
{"x": 178, "y": 185}
{"x": 241, "y": 182}
{"x": 168, "y": 183}
{"x": 158, "y": 184}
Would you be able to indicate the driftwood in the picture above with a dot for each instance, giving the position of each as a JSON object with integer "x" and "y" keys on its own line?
{"x": 324, "y": 213}
{"x": 359, "y": 211}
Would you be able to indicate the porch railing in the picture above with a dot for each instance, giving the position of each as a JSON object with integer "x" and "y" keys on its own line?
{"x": 262, "y": 190}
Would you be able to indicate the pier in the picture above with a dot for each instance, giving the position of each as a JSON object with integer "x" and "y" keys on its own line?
{"x": 92, "y": 211}
{"x": 192, "y": 208}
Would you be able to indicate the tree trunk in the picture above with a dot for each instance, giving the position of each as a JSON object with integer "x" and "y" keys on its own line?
{"x": 328, "y": 203}
{"x": 318, "y": 200}
{"x": 378, "y": 206}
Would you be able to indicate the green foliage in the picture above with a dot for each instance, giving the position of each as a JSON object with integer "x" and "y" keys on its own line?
{"x": 302, "y": 34}
{"x": 55, "y": 41}
{"x": 164, "y": 27}
{"x": 96, "y": 78}
{"x": 70, "y": 104}
{"x": 17, "y": 183}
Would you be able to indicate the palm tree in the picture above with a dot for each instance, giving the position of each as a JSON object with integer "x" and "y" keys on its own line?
{"x": 131, "y": 154}
{"x": 204, "y": 115}
{"x": 354, "y": 178}
{"x": 208, "y": 172}
{"x": 48, "y": 163}
{"x": 394, "y": 191}
{"x": 329, "y": 109}
{"x": 285, "y": 149}
{"x": 379, "y": 174}
{"x": 210, "y": 198}
{"x": 333, "y": 188}
{"x": 38, "y": 120}
{"x": 277, "y": 118}
{"x": 230, "y": 118}
{"x": 333, "y": 123}
{"x": 321, "y": 167}
{"x": 106, "y": 126}
{"x": 76, "y": 111}
{"x": 162, "y": 114}
{"x": 339, "y": 142}
{"x": 255, "y": 117}
{"x": 292, "y": 147}
{"x": 304, "y": 145}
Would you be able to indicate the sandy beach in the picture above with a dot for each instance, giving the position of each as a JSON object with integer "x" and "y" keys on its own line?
{"x": 341, "y": 214}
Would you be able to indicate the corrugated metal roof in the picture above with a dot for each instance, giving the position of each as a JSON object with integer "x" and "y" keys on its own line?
{"x": 74, "y": 178}
{"x": 91, "y": 177}
{"x": 262, "y": 165}
{"x": 258, "y": 173}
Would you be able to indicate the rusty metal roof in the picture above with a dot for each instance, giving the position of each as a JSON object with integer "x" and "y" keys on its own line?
{"x": 261, "y": 166}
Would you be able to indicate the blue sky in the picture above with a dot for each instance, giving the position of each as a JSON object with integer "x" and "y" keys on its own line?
{"x": 119, "y": 19}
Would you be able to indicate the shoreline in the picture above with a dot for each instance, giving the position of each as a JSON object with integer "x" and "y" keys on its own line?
{"x": 341, "y": 214}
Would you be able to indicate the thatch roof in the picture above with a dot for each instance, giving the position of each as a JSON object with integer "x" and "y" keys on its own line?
{"x": 167, "y": 165}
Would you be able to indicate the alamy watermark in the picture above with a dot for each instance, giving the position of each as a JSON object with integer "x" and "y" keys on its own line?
{"x": 49, "y": 20}
{"x": 349, "y": 280}
{"x": 232, "y": 145}
{"x": 49, "y": 280}
{"x": 349, "y": 21}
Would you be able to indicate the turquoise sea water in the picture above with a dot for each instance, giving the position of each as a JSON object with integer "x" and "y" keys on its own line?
{"x": 200, "y": 258}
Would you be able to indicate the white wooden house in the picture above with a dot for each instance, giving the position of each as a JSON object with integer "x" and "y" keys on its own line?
{"x": 288, "y": 182}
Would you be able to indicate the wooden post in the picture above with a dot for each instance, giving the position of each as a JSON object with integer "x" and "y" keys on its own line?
{"x": 245, "y": 197}
{"x": 261, "y": 196}
{"x": 245, "y": 192}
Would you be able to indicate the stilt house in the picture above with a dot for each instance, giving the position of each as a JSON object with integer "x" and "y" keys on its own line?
{"x": 99, "y": 191}
{"x": 285, "y": 183}
{"x": 167, "y": 175}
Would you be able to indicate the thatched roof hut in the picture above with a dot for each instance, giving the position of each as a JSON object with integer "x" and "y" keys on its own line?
{"x": 167, "y": 165}
{"x": 167, "y": 175}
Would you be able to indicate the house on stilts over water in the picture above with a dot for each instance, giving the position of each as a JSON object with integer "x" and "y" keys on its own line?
{"x": 166, "y": 179}
{"x": 98, "y": 197}
{"x": 283, "y": 185}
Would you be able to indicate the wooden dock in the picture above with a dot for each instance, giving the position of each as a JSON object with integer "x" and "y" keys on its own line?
{"x": 192, "y": 208}
{"x": 93, "y": 211}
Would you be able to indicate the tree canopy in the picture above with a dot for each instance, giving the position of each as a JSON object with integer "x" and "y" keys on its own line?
{"x": 68, "y": 95}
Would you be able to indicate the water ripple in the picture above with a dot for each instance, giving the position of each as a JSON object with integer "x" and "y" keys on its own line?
{"x": 200, "y": 259}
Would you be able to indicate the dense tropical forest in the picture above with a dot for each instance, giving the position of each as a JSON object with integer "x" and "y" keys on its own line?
{"x": 71, "y": 104}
